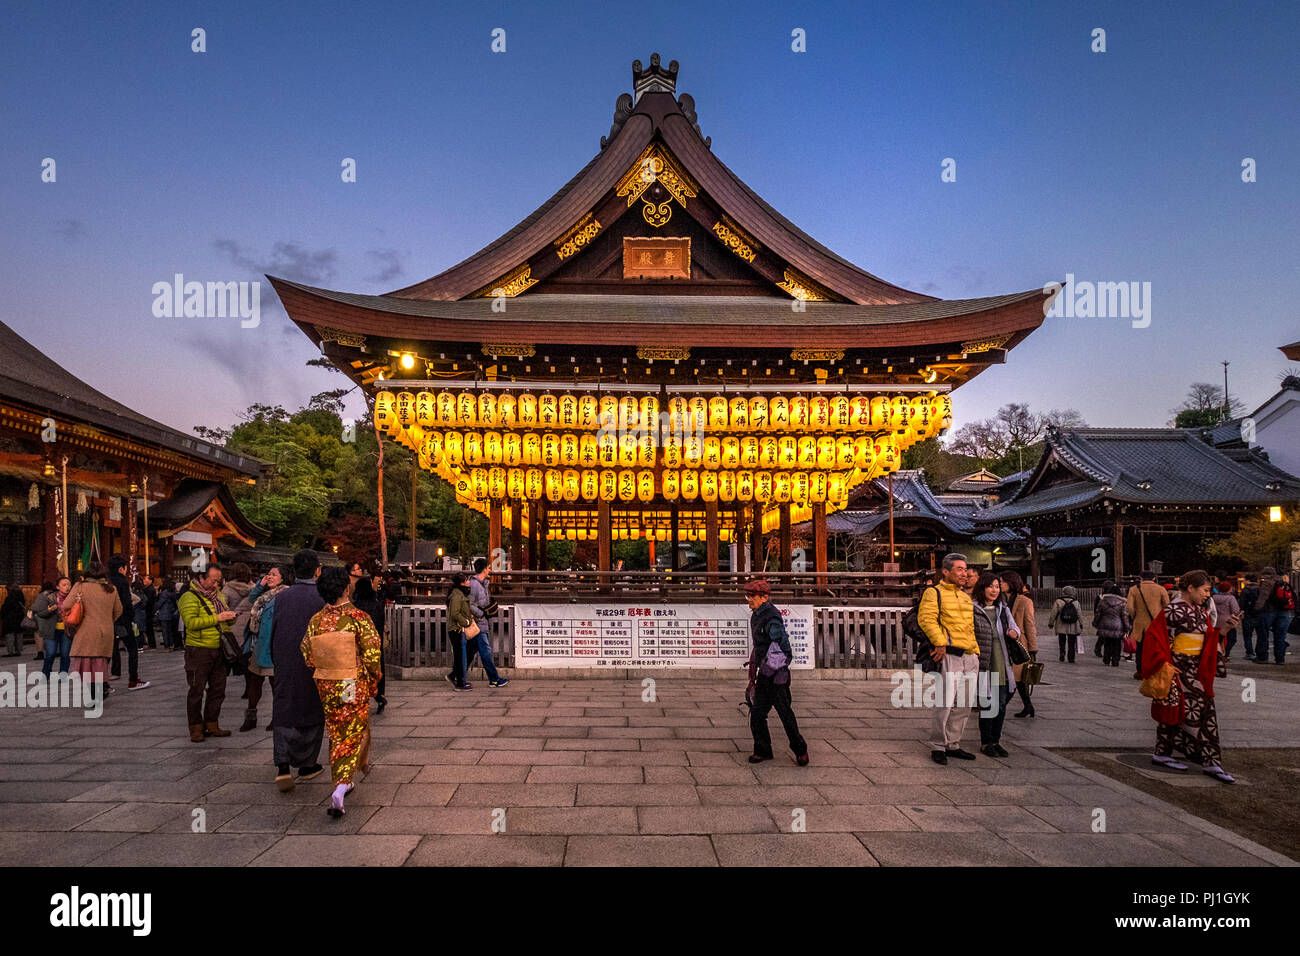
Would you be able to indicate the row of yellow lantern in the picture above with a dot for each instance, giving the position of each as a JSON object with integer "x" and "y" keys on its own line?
{"x": 569, "y": 450}
{"x": 687, "y": 485}
{"x": 838, "y": 412}
{"x": 634, "y": 534}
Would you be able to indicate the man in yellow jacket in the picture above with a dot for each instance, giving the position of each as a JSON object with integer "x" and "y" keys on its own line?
{"x": 947, "y": 616}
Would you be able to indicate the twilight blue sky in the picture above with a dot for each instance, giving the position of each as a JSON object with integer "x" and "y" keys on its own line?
{"x": 1122, "y": 166}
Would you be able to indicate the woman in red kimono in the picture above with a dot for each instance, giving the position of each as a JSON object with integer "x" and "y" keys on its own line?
{"x": 343, "y": 647}
{"x": 1183, "y": 636}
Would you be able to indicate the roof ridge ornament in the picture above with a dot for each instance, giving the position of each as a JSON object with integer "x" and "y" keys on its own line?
{"x": 654, "y": 80}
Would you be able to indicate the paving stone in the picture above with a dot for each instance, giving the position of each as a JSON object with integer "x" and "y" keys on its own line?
{"x": 106, "y": 772}
{"x": 40, "y": 848}
{"x": 1203, "y": 849}
{"x": 1095, "y": 849}
{"x": 1003, "y": 820}
{"x": 791, "y": 849}
{"x": 499, "y": 743}
{"x": 422, "y": 794}
{"x": 940, "y": 818}
{"x": 499, "y": 849}
{"x": 623, "y": 851}
{"x": 944, "y": 849}
{"x": 584, "y": 774}
{"x": 828, "y": 819}
{"x": 872, "y": 793}
{"x": 50, "y": 791}
{"x": 184, "y": 819}
{"x": 314, "y": 820}
{"x": 430, "y": 820}
{"x": 132, "y": 818}
{"x": 514, "y": 795}
{"x": 1012, "y": 796}
{"x": 664, "y": 775}
{"x": 474, "y": 773}
{"x": 534, "y": 758}
{"x": 636, "y": 795}
{"x": 705, "y": 820}
{"x": 760, "y": 796}
{"x": 264, "y": 818}
{"x": 254, "y": 793}
{"x": 931, "y": 775}
{"x": 182, "y": 849}
{"x": 40, "y": 817}
{"x": 639, "y": 758}
{"x": 1124, "y": 818}
{"x": 341, "y": 850}
{"x": 775, "y": 772}
{"x": 571, "y": 820}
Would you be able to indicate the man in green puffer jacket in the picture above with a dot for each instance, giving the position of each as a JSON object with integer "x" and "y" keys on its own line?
{"x": 204, "y": 612}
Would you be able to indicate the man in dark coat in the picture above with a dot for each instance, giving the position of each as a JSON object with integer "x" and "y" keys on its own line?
{"x": 123, "y": 632}
{"x": 769, "y": 675}
{"x": 296, "y": 714}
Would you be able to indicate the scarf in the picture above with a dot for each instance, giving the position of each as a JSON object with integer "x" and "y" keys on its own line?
{"x": 260, "y": 606}
{"x": 214, "y": 597}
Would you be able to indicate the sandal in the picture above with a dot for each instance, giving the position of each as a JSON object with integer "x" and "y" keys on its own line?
{"x": 1168, "y": 762}
{"x": 1218, "y": 773}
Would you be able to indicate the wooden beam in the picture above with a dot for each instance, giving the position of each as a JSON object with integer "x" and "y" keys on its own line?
{"x": 604, "y": 560}
{"x": 516, "y": 537}
{"x": 711, "y": 542}
{"x": 756, "y": 537}
{"x": 676, "y": 556}
{"x": 784, "y": 511}
{"x": 819, "y": 543}
{"x": 494, "y": 534}
{"x": 1118, "y": 535}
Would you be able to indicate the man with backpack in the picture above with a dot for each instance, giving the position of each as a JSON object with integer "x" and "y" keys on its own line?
{"x": 1247, "y": 600}
{"x": 1145, "y": 601}
{"x": 946, "y": 615}
{"x": 1065, "y": 620}
{"x": 769, "y": 675}
{"x": 1276, "y": 607}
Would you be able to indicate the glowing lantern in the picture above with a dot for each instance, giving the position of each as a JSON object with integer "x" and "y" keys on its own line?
{"x": 588, "y": 411}
{"x": 572, "y": 484}
{"x": 496, "y": 483}
{"x": 799, "y": 487}
{"x": 587, "y": 453}
{"x": 526, "y": 410}
{"x": 487, "y": 408}
{"x": 386, "y": 412}
{"x": 763, "y": 486}
{"x": 745, "y": 486}
{"x": 880, "y": 413}
{"x": 608, "y": 485}
{"x": 886, "y": 455}
{"x": 492, "y": 448}
{"x": 798, "y": 413}
{"x": 807, "y": 456}
{"x": 758, "y": 413}
{"x": 645, "y": 485}
{"x": 645, "y": 449}
{"x": 568, "y": 450}
{"x": 699, "y": 414}
{"x": 608, "y": 416}
{"x": 626, "y": 485}
{"x": 817, "y": 486}
{"x": 860, "y": 412}
{"x": 464, "y": 490}
{"x": 479, "y": 482}
{"x": 628, "y": 413}
{"x": 506, "y": 411}
{"x": 770, "y": 450}
{"x": 568, "y": 411}
{"x": 712, "y": 451}
{"x": 837, "y": 488}
{"x": 692, "y": 451}
{"x": 473, "y": 451}
{"x": 826, "y": 451}
{"x": 671, "y": 484}
{"x": 864, "y": 452}
{"x": 546, "y": 410}
{"x": 446, "y": 402}
{"x": 673, "y": 451}
{"x": 554, "y": 485}
{"x": 590, "y": 484}
{"x": 844, "y": 452}
{"x": 726, "y": 486}
{"x": 627, "y": 451}
{"x": 819, "y": 412}
{"x": 607, "y": 447}
{"x": 898, "y": 413}
{"x": 778, "y": 412}
{"x": 550, "y": 449}
{"x": 709, "y": 485}
{"x": 649, "y": 411}
{"x": 718, "y": 413}
{"x": 781, "y": 487}
{"x": 466, "y": 409}
{"x": 731, "y": 451}
{"x": 453, "y": 445}
{"x": 943, "y": 408}
{"x": 749, "y": 451}
{"x": 511, "y": 449}
{"x": 690, "y": 482}
{"x": 841, "y": 412}
{"x": 426, "y": 409}
{"x": 532, "y": 448}
{"x": 433, "y": 450}
{"x": 678, "y": 415}
{"x": 405, "y": 409}
{"x": 739, "y": 413}
{"x": 534, "y": 484}
{"x": 515, "y": 483}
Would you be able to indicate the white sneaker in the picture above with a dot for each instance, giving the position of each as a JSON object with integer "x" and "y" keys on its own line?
{"x": 1169, "y": 762}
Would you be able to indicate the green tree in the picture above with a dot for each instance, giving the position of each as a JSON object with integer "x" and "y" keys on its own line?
{"x": 1259, "y": 542}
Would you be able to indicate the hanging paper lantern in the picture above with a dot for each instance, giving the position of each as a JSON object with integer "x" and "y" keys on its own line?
{"x": 807, "y": 456}
{"x": 860, "y": 412}
{"x": 671, "y": 484}
{"x": 763, "y": 486}
{"x": 649, "y": 411}
{"x": 590, "y": 484}
{"x": 718, "y": 413}
{"x": 626, "y": 485}
{"x": 699, "y": 413}
{"x": 608, "y": 485}
{"x": 771, "y": 451}
{"x": 567, "y": 410}
{"x": 492, "y": 448}
{"x": 405, "y": 409}
{"x": 819, "y": 412}
{"x": 446, "y": 404}
{"x": 511, "y": 448}
{"x": 690, "y": 482}
{"x": 673, "y": 451}
{"x": 886, "y": 455}
{"x": 608, "y": 415}
{"x": 826, "y": 451}
{"x": 749, "y": 451}
{"x": 607, "y": 446}
{"x": 730, "y": 452}
{"x": 587, "y": 451}
{"x": 837, "y": 488}
{"x": 479, "y": 482}
{"x": 466, "y": 409}
{"x": 745, "y": 486}
{"x": 572, "y": 484}
{"x": 739, "y": 414}
{"x": 526, "y": 410}
{"x": 487, "y": 409}
{"x": 554, "y": 484}
{"x": 473, "y": 449}
{"x": 864, "y": 452}
{"x": 568, "y": 450}
{"x": 841, "y": 412}
{"x": 844, "y": 452}
{"x": 645, "y": 449}
{"x": 727, "y": 486}
{"x": 709, "y": 485}
{"x": 898, "y": 414}
{"x": 692, "y": 450}
{"x": 758, "y": 413}
{"x": 678, "y": 415}
{"x": 778, "y": 412}
{"x": 588, "y": 411}
{"x": 386, "y": 412}
{"x": 818, "y": 484}
{"x": 506, "y": 415}
{"x": 943, "y": 407}
{"x": 712, "y": 452}
{"x": 515, "y": 483}
{"x": 799, "y": 487}
{"x": 627, "y": 450}
{"x": 645, "y": 485}
{"x": 781, "y": 487}
{"x": 426, "y": 409}
{"x": 433, "y": 450}
{"x": 532, "y": 448}
{"x": 628, "y": 414}
{"x": 547, "y": 410}
{"x": 496, "y": 483}
{"x": 464, "y": 490}
{"x": 798, "y": 413}
{"x": 550, "y": 449}
{"x": 880, "y": 413}
{"x": 453, "y": 447}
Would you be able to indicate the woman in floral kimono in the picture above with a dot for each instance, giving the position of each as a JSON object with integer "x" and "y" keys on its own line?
{"x": 1183, "y": 637}
{"x": 344, "y": 649}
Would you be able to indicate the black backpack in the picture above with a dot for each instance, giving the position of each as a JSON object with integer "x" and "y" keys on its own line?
{"x": 1069, "y": 612}
{"x": 912, "y": 628}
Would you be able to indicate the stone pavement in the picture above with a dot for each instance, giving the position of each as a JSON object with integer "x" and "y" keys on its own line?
{"x": 586, "y": 772}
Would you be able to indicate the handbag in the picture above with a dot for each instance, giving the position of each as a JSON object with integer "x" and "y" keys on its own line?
{"x": 230, "y": 650}
{"x": 28, "y": 623}
{"x": 1032, "y": 673}
{"x": 472, "y": 630}
{"x": 73, "y": 615}
{"x": 1159, "y": 684}
{"x": 1016, "y": 651}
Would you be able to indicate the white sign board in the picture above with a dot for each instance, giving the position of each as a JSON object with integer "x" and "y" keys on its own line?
{"x": 656, "y": 635}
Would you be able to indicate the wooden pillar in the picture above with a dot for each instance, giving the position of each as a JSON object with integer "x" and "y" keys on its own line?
{"x": 1035, "y": 563}
{"x": 676, "y": 555}
{"x": 711, "y": 543}
{"x": 1119, "y": 549}
{"x": 130, "y": 537}
{"x": 516, "y": 537}
{"x": 543, "y": 535}
{"x": 784, "y": 511}
{"x": 819, "y": 544}
{"x": 494, "y": 536}
{"x": 50, "y": 533}
{"x": 756, "y": 537}
{"x": 604, "y": 559}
